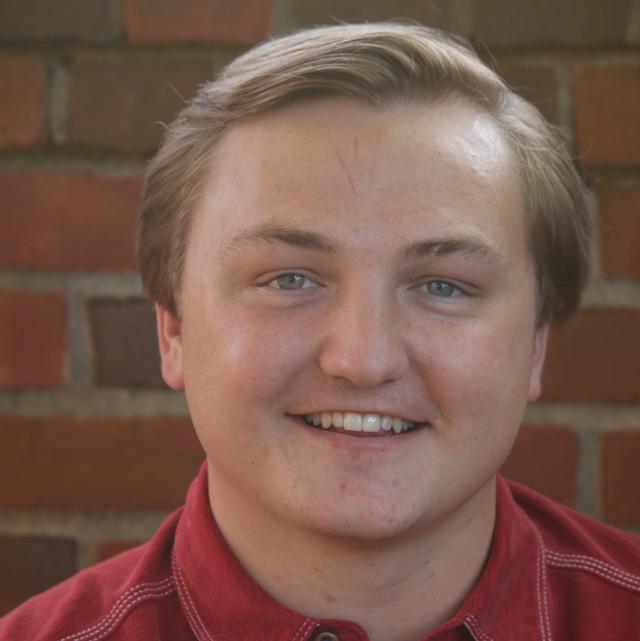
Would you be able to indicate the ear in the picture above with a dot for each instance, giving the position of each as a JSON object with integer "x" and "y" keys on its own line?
{"x": 170, "y": 341}
{"x": 537, "y": 364}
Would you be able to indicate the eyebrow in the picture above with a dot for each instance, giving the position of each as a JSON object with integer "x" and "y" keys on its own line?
{"x": 270, "y": 233}
{"x": 465, "y": 245}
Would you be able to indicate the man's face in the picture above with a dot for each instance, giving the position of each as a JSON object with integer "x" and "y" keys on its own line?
{"x": 347, "y": 259}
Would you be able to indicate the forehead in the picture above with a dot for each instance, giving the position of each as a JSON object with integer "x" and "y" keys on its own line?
{"x": 342, "y": 164}
{"x": 323, "y": 128}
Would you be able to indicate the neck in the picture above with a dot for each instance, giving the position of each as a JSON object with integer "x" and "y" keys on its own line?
{"x": 397, "y": 590}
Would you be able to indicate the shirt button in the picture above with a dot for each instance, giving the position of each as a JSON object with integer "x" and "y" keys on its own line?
{"x": 326, "y": 636}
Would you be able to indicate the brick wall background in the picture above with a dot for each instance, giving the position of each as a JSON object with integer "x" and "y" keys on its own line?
{"x": 94, "y": 451}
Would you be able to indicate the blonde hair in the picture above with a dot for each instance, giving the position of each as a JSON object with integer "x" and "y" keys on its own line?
{"x": 379, "y": 64}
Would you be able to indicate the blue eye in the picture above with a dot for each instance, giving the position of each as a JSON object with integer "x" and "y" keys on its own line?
{"x": 442, "y": 289}
{"x": 291, "y": 281}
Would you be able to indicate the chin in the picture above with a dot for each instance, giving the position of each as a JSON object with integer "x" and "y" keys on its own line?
{"x": 358, "y": 522}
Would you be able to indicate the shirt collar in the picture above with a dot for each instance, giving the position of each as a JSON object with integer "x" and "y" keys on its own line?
{"x": 509, "y": 599}
{"x": 217, "y": 594}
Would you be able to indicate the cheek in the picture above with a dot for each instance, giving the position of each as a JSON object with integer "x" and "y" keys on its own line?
{"x": 480, "y": 392}
{"x": 482, "y": 370}
{"x": 245, "y": 356}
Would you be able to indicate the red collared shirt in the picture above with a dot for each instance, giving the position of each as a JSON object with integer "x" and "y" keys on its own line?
{"x": 552, "y": 574}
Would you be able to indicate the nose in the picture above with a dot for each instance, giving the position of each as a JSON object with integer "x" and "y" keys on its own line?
{"x": 363, "y": 341}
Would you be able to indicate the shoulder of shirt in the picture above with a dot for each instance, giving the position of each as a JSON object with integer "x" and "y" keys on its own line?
{"x": 94, "y": 603}
{"x": 574, "y": 543}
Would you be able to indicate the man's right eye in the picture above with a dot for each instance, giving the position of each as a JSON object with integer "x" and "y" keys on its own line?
{"x": 291, "y": 281}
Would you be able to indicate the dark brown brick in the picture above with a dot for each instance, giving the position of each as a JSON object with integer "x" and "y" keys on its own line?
{"x": 71, "y": 463}
{"x": 125, "y": 343}
{"x": 595, "y": 357}
{"x": 620, "y": 230}
{"x": 68, "y": 220}
{"x": 119, "y": 103}
{"x": 220, "y": 21}
{"x": 110, "y": 548}
{"x": 29, "y": 565}
{"x": 64, "y": 19}
{"x": 309, "y": 12}
{"x": 32, "y": 339}
{"x": 522, "y": 23}
{"x": 607, "y": 114}
{"x": 545, "y": 457}
{"x": 537, "y": 84}
{"x": 22, "y": 102}
{"x": 621, "y": 477}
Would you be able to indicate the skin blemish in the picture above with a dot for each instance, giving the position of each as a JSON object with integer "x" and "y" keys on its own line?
{"x": 346, "y": 171}
{"x": 329, "y": 599}
{"x": 356, "y": 146}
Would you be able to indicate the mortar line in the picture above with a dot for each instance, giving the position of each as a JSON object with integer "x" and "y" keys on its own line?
{"x": 588, "y": 475}
{"x": 58, "y": 106}
{"x": 80, "y": 344}
{"x": 282, "y": 19}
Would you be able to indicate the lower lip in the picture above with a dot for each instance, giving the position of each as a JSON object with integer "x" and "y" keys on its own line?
{"x": 359, "y": 440}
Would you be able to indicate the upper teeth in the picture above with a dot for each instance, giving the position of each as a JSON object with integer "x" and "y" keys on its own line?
{"x": 355, "y": 422}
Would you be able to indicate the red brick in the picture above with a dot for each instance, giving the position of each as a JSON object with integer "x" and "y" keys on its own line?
{"x": 221, "y": 21}
{"x": 29, "y": 565}
{"x": 167, "y": 437}
{"x": 537, "y": 84}
{"x": 125, "y": 344}
{"x": 522, "y": 23}
{"x": 595, "y": 357}
{"x": 310, "y": 12}
{"x": 32, "y": 339}
{"x": 66, "y": 20}
{"x": 118, "y": 103}
{"x": 545, "y": 457}
{"x": 607, "y": 114}
{"x": 17, "y": 442}
{"x": 68, "y": 220}
{"x": 22, "y": 102}
{"x": 621, "y": 477}
{"x": 108, "y": 463}
{"x": 110, "y": 548}
{"x": 620, "y": 230}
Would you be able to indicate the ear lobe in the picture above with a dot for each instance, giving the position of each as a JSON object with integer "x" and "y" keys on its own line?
{"x": 170, "y": 343}
{"x": 537, "y": 362}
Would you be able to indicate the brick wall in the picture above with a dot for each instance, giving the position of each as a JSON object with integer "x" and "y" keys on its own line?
{"x": 94, "y": 450}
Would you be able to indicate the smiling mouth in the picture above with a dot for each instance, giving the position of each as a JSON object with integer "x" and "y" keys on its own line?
{"x": 357, "y": 424}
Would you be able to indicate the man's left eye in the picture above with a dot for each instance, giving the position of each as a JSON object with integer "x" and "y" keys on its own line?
{"x": 442, "y": 289}
{"x": 291, "y": 281}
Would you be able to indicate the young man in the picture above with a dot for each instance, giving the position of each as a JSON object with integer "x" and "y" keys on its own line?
{"x": 356, "y": 239}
